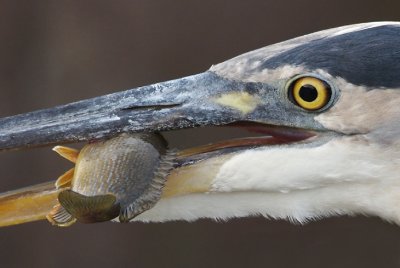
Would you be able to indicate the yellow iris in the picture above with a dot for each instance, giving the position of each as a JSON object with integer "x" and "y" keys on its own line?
{"x": 311, "y": 93}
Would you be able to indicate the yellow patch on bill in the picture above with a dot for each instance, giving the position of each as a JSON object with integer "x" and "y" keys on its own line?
{"x": 241, "y": 101}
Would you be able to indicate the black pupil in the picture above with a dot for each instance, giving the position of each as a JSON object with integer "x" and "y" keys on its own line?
{"x": 308, "y": 93}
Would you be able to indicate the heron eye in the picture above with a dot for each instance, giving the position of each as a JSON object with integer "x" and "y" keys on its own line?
{"x": 310, "y": 93}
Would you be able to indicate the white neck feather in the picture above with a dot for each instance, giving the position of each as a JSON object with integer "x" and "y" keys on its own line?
{"x": 342, "y": 176}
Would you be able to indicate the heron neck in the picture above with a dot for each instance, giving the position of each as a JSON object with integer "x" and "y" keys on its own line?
{"x": 342, "y": 176}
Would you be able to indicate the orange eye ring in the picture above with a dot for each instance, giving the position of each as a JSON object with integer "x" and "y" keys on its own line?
{"x": 310, "y": 93}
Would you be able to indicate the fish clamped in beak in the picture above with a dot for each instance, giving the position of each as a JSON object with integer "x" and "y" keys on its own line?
{"x": 116, "y": 179}
{"x": 321, "y": 125}
{"x": 119, "y": 176}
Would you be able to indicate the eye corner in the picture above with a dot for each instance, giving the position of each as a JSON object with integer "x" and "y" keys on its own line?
{"x": 310, "y": 92}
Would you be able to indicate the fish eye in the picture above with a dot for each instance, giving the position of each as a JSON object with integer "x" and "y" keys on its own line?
{"x": 310, "y": 93}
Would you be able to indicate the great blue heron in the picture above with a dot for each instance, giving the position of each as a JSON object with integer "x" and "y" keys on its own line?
{"x": 329, "y": 103}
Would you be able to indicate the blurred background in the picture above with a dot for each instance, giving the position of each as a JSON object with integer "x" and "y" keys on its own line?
{"x": 55, "y": 52}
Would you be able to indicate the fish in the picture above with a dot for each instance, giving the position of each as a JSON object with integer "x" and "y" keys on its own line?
{"x": 115, "y": 179}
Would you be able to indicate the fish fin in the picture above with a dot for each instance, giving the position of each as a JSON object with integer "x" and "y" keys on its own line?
{"x": 89, "y": 209}
{"x": 60, "y": 217}
{"x": 153, "y": 193}
{"x": 68, "y": 153}
{"x": 65, "y": 179}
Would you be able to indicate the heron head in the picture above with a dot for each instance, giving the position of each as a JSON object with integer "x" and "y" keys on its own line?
{"x": 328, "y": 103}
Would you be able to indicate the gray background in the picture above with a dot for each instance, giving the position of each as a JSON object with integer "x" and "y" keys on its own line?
{"x": 54, "y": 52}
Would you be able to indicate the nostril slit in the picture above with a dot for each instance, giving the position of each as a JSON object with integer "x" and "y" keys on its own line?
{"x": 156, "y": 107}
